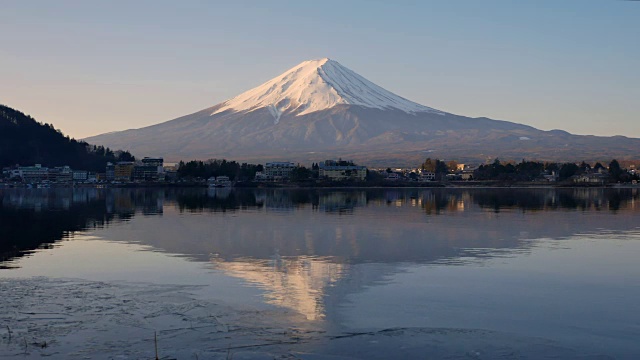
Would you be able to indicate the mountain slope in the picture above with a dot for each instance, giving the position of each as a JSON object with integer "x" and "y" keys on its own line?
{"x": 25, "y": 141}
{"x": 320, "y": 109}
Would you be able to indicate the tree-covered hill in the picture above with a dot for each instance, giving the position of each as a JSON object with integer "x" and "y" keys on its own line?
{"x": 25, "y": 141}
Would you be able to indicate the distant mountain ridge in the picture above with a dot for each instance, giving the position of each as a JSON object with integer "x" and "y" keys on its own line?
{"x": 320, "y": 109}
{"x": 25, "y": 141}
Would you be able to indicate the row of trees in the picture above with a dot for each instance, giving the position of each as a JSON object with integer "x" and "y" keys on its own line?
{"x": 523, "y": 171}
{"x": 215, "y": 168}
{"x": 243, "y": 172}
{"x": 532, "y": 170}
{"x": 438, "y": 167}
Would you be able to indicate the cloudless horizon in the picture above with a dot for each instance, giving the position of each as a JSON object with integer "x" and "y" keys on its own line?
{"x": 90, "y": 67}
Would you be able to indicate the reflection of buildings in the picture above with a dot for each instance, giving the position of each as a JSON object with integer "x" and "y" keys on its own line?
{"x": 127, "y": 201}
{"x": 342, "y": 201}
{"x": 42, "y": 199}
{"x": 118, "y": 201}
{"x": 219, "y": 193}
{"x": 274, "y": 199}
{"x": 35, "y": 218}
{"x": 297, "y": 283}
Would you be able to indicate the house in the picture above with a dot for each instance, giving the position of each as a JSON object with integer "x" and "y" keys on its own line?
{"x": 391, "y": 176}
{"x": 591, "y": 179}
{"x": 466, "y": 174}
{"x": 426, "y": 176}
{"x": 341, "y": 170}
{"x": 261, "y": 176}
{"x": 552, "y": 177}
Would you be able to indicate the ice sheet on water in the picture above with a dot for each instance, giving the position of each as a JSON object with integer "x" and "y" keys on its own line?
{"x": 77, "y": 319}
{"x": 81, "y": 319}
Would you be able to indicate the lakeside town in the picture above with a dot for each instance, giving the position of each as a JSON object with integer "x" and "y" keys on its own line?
{"x": 222, "y": 173}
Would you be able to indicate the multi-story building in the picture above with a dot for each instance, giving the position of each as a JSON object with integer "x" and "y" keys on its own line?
{"x": 341, "y": 170}
{"x": 158, "y": 162}
{"x": 80, "y": 175}
{"x": 145, "y": 173}
{"x": 110, "y": 173}
{"x": 151, "y": 169}
{"x": 278, "y": 170}
{"x": 33, "y": 174}
{"x": 61, "y": 174}
{"x": 123, "y": 171}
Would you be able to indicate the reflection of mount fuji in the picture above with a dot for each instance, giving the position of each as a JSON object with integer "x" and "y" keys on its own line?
{"x": 310, "y": 249}
{"x": 300, "y": 245}
{"x": 298, "y": 283}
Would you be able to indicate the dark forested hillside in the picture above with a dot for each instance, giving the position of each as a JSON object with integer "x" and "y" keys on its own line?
{"x": 25, "y": 141}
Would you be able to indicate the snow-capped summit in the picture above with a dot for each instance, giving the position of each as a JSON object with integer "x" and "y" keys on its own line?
{"x": 316, "y": 85}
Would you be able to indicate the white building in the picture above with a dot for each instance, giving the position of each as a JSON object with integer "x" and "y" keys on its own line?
{"x": 427, "y": 176}
{"x": 335, "y": 170}
{"x": 80, "y": 175}
{"x": 32, "y": 174}
{"x": 276, "y": 170}
{"x": 260, "y": 176}
{"x": 392, "y": 176}
{"x": 61, "y": 174}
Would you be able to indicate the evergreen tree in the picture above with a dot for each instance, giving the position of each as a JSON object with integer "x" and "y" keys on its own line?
{"x": 615, "y": 171}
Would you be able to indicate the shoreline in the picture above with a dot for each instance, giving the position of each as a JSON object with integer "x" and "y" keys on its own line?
{"x": 330, "y": 186}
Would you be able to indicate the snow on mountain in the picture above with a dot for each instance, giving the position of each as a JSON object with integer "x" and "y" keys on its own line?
{"x": 317, "y": 85}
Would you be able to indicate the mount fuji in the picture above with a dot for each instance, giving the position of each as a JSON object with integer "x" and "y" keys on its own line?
{"x": 320, "y": 109}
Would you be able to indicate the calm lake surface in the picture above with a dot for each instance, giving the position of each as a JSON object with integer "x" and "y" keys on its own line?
{"x": 315, "y": 274}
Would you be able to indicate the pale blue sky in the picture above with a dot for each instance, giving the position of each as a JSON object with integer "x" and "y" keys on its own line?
{"x": 90, "y": 67}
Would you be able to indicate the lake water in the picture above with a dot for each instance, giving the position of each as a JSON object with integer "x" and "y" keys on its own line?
{"x": 320, "y": 274}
